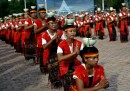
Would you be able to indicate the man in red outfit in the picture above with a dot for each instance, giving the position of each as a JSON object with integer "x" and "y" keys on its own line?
{"x": 123, "y": 16}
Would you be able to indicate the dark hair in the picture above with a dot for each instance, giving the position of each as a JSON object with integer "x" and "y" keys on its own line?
{"x": 68, "y": 26}
{"x": 88, "y": 50}
{"x": 41, "y": 9}
{"x": 51, "y": 19}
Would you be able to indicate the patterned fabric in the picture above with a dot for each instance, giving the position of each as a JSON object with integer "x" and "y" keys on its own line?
{"x": 68, "y": 81}
{"x": 50, "y": 59}
{"x": 53, "y": 69}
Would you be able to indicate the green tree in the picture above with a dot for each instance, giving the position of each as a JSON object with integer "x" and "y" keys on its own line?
{"x": 14, "y": 6}
{"x": 109, "y": 3}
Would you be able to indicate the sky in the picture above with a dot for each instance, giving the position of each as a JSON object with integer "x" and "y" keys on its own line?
{"x": 74, "y": 5}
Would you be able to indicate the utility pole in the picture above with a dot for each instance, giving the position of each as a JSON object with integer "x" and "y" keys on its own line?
{"x": 25, "y": 4}
{"x": 46, "y": 6}
{"x": 102, "y": 4}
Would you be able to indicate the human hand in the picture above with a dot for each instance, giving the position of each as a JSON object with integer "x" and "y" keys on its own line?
{"x": 103, "y": 83}
{"x": 76, "y": 50}
{"x": 55, "y": 37}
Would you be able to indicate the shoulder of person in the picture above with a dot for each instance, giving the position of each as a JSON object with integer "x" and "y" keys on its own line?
{"x": 37, "y": 20}
{"x": 100, "y": 67}
{"x": 44, "y": 34}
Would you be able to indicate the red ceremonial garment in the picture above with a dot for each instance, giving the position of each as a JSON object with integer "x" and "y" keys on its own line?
{"x": 123, "y": 24}
{"x": 46, "y": 52}
{"x": 98, "y": 25}
{"x": 28, "y": 32}
{"x": 109, "y": 26}
{"x": 23, "y": 32}
{"x": 18, "y": 36}
{"x": 38, "y": 36}
{"x": 9, "y": 32}
{"x": 82, "y": 73}
{"x": 63, "y": 65}
{"x": 12, "y": 33}
{"x": 87, "y": 26}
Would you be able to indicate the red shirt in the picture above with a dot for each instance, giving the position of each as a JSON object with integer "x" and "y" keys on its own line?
{"x": 82, "y": 73}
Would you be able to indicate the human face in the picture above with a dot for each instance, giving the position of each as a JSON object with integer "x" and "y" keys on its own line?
{"x": 71, "y": 33}
{"x": 111, "y": 13}
{"x": 124, "y": 8}
{"x": 42, "y": 15}
{"x": 17, "y": 19}
{"x": 34, "y": 15}
{"x": 53, "y": 25}
{"x": 26, "y": 16}
{"x": 93, "y": 61}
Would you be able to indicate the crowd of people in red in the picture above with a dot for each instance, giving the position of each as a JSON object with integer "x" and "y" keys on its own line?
{"x": 50, "y": 41}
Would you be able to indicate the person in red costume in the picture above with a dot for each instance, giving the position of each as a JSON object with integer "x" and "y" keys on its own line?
{"x": 30, "y": 43}
{"x": 111, "y": 25}
{"x": 50, "y": 41}
{"x": 17, "y": 35}
{"x": 40, "y": 26}
{"x": 99, "y": 30}
{"x": 90, "y": 76}
{"x": 21, "y": 25}
{"x": 67, "y": 52}
{"x": 29, "y": 22}
{"x": 123, "y": 16}
{"x": 87, "y": 27}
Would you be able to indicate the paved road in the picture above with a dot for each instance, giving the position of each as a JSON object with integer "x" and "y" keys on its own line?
{"x": 17, "y": 74}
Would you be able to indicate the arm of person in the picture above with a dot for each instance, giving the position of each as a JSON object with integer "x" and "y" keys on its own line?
{"x": 67, "y": 57}
{"x": 18, "y": 28}
{"x": 48, "y": 44}
{"x": 102, "y": 84}
{"x": 108, "y": 21}
{"x": 80, "y": 86}
{"x": 123, "y": 17}
{"x": 40, "y": 29}
{"x": 21, "y": 25}
{"x": 28, "y": 27}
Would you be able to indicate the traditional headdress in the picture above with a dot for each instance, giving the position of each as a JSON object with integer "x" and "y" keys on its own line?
{"x": 33, "y": 9}
{"x": 41, "y": 8}
{"x": 123, "y": 4}
{"x": 98, "y": 10}
{"x": 69, "y": 24}
{"x": 89, "y": 52}
{"x": 15, "y": 15}
{"x": 20, "y": 15}
{"x": 51, "y": 14}
{"x": 26, "y": 11}
{"x": 111, "y": 9}
{"x": 10, "y": 16}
